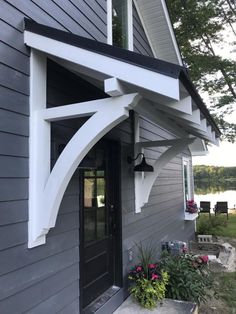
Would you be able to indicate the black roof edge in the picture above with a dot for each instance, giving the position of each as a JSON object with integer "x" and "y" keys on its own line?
{"x": 150, "y": 63}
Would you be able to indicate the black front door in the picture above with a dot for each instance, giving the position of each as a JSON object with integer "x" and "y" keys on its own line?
{"x": 98, "y": 224}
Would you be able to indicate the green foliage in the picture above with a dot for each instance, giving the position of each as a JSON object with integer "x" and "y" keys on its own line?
{"x": 199, "y": 26}
{"x": 148, "y": 281}
{"x": 211, "y": 225}
{"x": 148, "y": 292}
{"x": 212, "y": 173}
{"x": 189, "y": 278}
{"x": 229, "y": 229}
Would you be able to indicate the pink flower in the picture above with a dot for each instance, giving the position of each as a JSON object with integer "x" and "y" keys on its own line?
{"x": 204, "y": 259}
{"x": 139, "y": 268}
{"x": 155, "y": 277}
{"x": 151, "y": 266}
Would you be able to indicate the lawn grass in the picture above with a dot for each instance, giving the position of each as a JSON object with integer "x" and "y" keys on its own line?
{"x": 227, "y": 288}
{"x": 227, "y": 228}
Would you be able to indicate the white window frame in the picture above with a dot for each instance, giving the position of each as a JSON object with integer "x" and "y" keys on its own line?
{"x": 186, "y": 162}
{"x": 129, "y": 23}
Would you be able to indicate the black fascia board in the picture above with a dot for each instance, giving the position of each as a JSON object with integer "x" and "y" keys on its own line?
{"x": 146, "y": 62}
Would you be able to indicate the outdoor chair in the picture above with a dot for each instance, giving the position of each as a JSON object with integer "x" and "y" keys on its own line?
{"x": 222, "y": 208}
{"x": 205, "y": 207}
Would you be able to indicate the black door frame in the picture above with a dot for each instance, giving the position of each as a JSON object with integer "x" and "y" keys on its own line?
{"x": 115, "y": 174}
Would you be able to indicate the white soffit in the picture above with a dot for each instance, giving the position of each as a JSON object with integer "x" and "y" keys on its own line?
{"x": 158, "y": 28}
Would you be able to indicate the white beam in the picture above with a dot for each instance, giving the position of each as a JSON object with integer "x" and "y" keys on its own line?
{"x": 113, "y": 87}
{"x": 147, "y": 110}
{"x": 160, "y": 143}
{"x": 183, "y": 105}
{"x": 82, "y": 109}
{"x": 111, "y": 67}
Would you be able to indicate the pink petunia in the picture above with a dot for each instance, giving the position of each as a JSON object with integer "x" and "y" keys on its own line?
{"x": 204, "y": 259}
{"x": 151, "y": 266}
{"x": 155, "y": 277}
{"x": 139, "y": 268}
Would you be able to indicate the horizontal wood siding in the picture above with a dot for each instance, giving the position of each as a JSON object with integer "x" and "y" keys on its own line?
{"x": 44, "y": 279}
{"x": 162, "y": 218}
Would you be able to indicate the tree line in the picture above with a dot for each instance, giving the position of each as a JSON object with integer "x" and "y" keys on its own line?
{"x": 213, "y": 173}
{"x": 204, "y": 30}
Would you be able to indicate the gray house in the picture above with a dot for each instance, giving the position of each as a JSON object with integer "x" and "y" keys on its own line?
{"x": 86, "y": 87}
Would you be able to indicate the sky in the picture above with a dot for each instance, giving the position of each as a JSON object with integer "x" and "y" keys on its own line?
{"x": 224, "y": 154}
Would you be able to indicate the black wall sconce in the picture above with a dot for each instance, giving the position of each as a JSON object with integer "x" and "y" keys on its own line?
{"x": 142, "y": 166}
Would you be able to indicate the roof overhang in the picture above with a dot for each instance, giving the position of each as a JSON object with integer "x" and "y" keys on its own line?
{"x": 169, "y": 97}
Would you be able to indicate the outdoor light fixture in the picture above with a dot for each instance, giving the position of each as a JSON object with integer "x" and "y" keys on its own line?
{"x": 143, "y": 166}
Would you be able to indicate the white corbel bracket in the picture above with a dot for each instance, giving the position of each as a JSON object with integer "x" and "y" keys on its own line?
{"x": 144, "y": 183}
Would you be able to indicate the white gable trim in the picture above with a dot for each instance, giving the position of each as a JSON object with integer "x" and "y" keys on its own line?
{"x": 166, "y": 13}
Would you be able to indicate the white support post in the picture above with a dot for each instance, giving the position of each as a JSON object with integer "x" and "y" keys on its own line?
{"x": 39, "y": 140}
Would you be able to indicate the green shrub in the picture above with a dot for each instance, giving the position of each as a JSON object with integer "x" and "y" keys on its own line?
{"x": 189, "y": 277}
{"x": 211, "y": 225}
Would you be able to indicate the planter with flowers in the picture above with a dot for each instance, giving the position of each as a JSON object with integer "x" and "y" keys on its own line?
{"x": 191, "y": 211}
{"x": 147, "y": 282}
{"x": 191, "y": 207}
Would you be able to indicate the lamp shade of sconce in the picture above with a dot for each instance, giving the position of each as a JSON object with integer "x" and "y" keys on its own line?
{"x": 142, "y": 166}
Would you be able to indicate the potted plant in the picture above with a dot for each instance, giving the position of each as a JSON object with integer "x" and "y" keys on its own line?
{"x": 191, "y": 207}
{"x": 147, "y": 282}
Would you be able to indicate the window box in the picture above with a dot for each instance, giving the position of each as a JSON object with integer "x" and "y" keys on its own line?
{"x": 189, "y": 216}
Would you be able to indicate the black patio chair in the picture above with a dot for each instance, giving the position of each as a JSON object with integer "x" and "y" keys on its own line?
{"x": 221, "y": 208}
{"x": 205, "y": 207}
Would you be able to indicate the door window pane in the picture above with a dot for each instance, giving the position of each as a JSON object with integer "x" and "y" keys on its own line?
{"x": 89, "y": 192}
{"x": 100, "y": 192}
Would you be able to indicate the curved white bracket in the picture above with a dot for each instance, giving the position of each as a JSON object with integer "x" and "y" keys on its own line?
{"x": 47, "y": 189}
{"x": 143, "y": 184}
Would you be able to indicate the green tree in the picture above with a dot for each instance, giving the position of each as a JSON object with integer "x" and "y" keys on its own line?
{"x": 200, "y": 26}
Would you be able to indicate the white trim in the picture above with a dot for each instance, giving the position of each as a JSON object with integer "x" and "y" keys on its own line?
{"x": 130, "y": 24}
{"x": 144, "y": 78}
{"x": 171, "y": 31}
{"x": 186, "y": 162}
{"x": 109, "y": 22}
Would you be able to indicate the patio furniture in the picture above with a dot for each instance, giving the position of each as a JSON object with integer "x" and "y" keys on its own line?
{"x": 205, "y": 207}
{"x": 222, "y": 208}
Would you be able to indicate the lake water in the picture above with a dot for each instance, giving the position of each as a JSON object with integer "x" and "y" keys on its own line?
{"x": 215, "y": 193}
